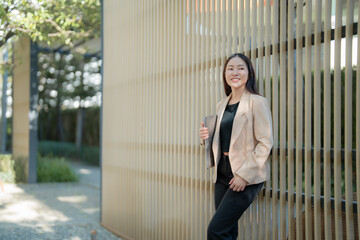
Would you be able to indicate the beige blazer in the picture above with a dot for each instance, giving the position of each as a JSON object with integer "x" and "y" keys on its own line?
{"x": 251, "y": 138}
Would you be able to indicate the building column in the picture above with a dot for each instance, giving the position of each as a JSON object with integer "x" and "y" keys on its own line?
{"x": 3, "y": 125}
{"x": 25, "y": 100}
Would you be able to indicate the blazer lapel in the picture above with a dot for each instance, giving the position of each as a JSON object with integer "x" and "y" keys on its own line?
{"x": 240, "y": 117}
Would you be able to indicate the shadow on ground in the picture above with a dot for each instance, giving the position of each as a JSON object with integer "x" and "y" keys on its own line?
{"x": 52, "y": 210}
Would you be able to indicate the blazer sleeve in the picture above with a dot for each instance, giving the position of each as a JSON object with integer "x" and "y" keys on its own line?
{"x": 262, "y": 127}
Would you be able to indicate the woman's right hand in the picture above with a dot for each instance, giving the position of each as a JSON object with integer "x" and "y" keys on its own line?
{"x": 203, "y": 132}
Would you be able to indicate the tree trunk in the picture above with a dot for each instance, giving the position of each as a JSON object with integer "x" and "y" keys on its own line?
{"x": 79, "y": 126}
{"x": 60, "y": 125}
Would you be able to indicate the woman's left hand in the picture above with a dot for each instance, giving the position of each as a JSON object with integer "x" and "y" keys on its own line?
{"x": 237, "y": 183}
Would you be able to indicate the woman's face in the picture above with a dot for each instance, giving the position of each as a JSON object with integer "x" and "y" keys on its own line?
{"x": 236, "y": 73}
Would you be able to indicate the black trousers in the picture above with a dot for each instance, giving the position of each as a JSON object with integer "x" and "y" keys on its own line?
{"x": 229, "y": 204}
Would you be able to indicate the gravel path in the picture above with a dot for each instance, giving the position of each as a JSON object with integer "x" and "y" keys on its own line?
{"x": 53, "y": 210}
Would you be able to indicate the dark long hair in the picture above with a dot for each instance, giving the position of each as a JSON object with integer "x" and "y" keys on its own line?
{"x": 250, "y": 84}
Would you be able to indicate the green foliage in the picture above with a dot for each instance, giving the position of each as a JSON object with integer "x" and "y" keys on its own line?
{"x": 13, "y": 170}
{"x": 60, "y": 21}
{"x": 86, "y": 154}
{"x": 49, "y": 169}
{"x": 7, "y": 172}
{"x": 53, "y": 169}
{"x": 66, "y": 77}
{"x": 66, "y": 82}
{"x": 90, "y": 155}
{"x": 20, "y": 167}
{"x": 91, "y": 127}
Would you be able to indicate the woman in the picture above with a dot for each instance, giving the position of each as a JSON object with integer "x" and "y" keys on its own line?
{"x": 241, "y": 146}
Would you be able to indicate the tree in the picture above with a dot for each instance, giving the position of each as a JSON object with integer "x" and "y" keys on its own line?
{"x": 50, "y": 21}
{"x": 66, "y": 81}
{"x": 53, "y": 23}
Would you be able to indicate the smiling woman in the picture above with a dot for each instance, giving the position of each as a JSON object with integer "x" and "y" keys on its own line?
{"x": 241, "y": 146}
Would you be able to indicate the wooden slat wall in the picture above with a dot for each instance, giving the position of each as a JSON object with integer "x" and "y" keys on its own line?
{"x": 163, "y": 63}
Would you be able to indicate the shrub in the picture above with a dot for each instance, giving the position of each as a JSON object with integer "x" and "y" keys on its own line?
{"x": 88, "y": 154}
{"x": 7, "y": 172}
{"x": 58, "y": 149}
{"x": 54, "y": 169}
{"x": 20, "y": 167}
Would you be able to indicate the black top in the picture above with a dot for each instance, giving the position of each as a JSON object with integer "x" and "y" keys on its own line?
{"x": 226, "y": 126}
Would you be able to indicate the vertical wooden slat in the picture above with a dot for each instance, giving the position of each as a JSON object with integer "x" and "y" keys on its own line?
{"x": 218, "y": 49}
{"x": 144, "y": 189}
{"x": 261, "y": 203}
{"x": 212, "y": 77}
{"x": 213, "y": 89}
{"x": 199, "y": 109}
{"x": 247, "y": 27}
{"x": 317, "y": 119}
{"x": 241, "y": 26}
{"x": 163, "y": 132}
{"x": 152, "y": 139}
{"x": 327, "y": 121}
{"x": 158, "y": 151}
{"x": 151, "y": 102}
{"x": 308, "y": 146}
{"x": 190, "y": 113}
{"x": 172, "y": 121}
{"x": 358, "y": 126}
{"x": 156, "y": 167}
{"x": 268, "y": 97}
{"x": 223, "y": 32}
{"x": 177, "y": 132}
{"x": 275, "y": 107}
{"x": 228, "y": 23}
{"x": 282, "y": 122}
{"x": 195, "y": 120}
{"x": 348, "y": 121}
{"x": 184, "y": 105}
{"x": 235, "y": 26}
{"x": 261, "y": 41}
{"x": 299, "y": 119}
{"x": 290, "y": 117}
{"x": 167, "y": 120}
{"x": 337, "y": 121}
{"x": 253, "y": 37}
{"x": 203, "y": 85}
{"x": 127, "y": 153}
{"x": 254, "y": 46}
{"x": 142, "y": 139}
{"x": 131, "y": 138}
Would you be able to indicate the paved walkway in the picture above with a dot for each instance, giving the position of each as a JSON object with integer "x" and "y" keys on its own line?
{"x": 53, "y": 210}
